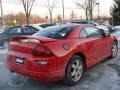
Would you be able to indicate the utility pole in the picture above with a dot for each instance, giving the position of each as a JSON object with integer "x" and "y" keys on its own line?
{"x": 2, "y": 15}
{"x": 98, "y": 11}
{"x": 90, "y": 3}
{"x": 63, "y": 10}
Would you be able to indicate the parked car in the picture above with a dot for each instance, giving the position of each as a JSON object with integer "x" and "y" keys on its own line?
{"x": 60, "y": 52}
{"x": 85, "y": 22}
{"x": 113, "y": 31}
{"x": 117, "y": 27}
{"x": 16, "y": 31}
{"x": 116, "y": 32}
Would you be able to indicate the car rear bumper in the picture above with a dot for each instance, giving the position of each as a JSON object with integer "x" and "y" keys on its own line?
{"x": 35, "y": 71}
{"x": 44, "y": 76}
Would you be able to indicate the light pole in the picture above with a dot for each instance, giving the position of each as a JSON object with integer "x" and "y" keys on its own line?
{"x": 2, "y": 15}
{"x": 98, "y": 4}
{"x": 63, "y": 9}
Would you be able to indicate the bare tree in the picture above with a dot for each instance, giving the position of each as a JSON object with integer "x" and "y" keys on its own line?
{"x": 87, "y": 6}
{"x": 28, "y": 4}
{"x": 84, "y": 5}
{"x": 51, "y": 4}
{"x": 92, "y": 4}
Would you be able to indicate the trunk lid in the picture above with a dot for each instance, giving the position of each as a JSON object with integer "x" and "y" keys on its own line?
{"x": 26, "y": 44}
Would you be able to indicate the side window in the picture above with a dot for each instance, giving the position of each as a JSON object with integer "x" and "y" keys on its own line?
{"x": 93, "y": 32}
{"x": 83, "y": 34}
{"x": 28, "y": 30}
{"x": 15, "y": 30}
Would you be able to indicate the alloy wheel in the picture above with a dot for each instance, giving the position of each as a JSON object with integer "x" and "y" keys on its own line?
{"x": 76, "y": 70}
{"x": 114, "y": 50}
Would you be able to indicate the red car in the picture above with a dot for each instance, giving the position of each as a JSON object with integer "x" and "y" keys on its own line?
{"x": 60, "y": 52}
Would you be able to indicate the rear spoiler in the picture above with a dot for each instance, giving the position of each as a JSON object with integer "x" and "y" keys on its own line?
{"x": 24, "y": 39}
{"x": 31, "y": 39}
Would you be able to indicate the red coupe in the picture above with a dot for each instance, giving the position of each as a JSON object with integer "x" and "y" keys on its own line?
{"x": 60, "y": 52}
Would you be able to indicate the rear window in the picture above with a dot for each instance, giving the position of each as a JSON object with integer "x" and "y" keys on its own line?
{"x": 55, "y": 32}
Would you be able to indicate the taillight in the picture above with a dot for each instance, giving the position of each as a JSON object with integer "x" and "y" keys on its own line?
{"x": 42, "y": 51}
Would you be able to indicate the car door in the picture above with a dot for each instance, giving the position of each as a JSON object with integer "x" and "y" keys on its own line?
{"x": 88, "y": 43}
{"x": 101, "y": 47}
{"x": 29, "y": 30}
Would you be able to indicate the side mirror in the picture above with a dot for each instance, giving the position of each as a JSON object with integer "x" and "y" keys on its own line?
{"x": 104, "y": 29}
{"x": 105, "y": 32}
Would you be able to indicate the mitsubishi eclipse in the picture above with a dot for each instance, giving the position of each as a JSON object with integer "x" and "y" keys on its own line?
{"x": 60, "y": 52}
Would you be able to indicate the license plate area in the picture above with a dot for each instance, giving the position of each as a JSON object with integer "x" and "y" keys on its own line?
{"x": 20, "y": 60}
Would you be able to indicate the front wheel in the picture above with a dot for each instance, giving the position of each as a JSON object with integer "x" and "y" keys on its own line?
{"x": 114, "y": 50}
{"x": 74, "y": 70}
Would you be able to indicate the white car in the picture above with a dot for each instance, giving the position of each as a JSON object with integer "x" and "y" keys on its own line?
{"x": 105, "y": 28}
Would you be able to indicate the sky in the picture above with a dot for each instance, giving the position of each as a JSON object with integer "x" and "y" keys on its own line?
{"x": 11, "y": 6}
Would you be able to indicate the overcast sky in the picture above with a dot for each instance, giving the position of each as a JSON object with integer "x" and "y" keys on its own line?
{"x": 39, "y": 8}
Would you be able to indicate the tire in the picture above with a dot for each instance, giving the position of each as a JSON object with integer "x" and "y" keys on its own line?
{"x": 114, "y": 50}
{"x": 74, "y": 70}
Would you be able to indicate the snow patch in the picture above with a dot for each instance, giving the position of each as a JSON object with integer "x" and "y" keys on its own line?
{"x": 1, "y": 63}
{"x": 4, "y": 51}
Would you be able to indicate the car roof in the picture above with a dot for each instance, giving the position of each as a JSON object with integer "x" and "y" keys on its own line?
{"x": 69, "y": 25}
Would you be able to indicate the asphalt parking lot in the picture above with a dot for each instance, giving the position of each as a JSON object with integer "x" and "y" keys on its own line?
{"x": 103, "y": 76}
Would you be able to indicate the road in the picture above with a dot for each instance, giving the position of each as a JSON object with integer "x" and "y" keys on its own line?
{"x": 103, "y": 76}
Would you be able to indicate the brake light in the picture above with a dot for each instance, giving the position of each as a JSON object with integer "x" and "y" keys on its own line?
{"x": 42, "y": 51}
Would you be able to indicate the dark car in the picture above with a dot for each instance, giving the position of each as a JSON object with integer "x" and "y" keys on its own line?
{"x": 16, "y": 31}
{"x": 47, "y": 25}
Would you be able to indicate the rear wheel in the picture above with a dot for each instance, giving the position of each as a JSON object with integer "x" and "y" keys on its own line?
{"x": 74, "y": 70}
{"x": 114, "y": 50}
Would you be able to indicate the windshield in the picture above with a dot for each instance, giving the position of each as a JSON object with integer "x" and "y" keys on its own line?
{"x": 55, "y": 32}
